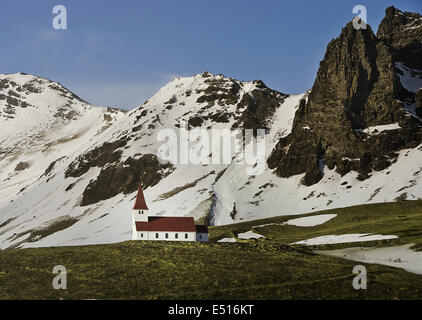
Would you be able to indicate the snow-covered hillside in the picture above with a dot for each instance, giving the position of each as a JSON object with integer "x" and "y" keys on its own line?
{"x": 40, "y": 122}
{"x": 50, "y": 166}
{"x": 268, "y": 195}
{"x": 69, "y": 170}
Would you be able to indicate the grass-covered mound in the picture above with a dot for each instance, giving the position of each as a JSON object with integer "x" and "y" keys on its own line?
{"x": 159, "y": 270}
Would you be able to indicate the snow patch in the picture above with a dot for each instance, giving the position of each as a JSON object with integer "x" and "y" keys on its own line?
{"x": 344, "y": 238}
{"x": 249, "y": 235}
{"x": 411, "y": 79}
{"x": 311, "y": 221}
{"x": 396, "y": 256}
{"x": 378, "y": 129}
{"x": 227, "y": 240}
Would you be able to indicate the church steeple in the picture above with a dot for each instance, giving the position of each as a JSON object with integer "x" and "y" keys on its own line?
{"x": 140, "y": 203}
{"x": 139, "y": 211}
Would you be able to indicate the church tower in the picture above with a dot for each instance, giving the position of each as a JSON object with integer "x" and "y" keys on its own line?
{"x": 139, "y": 211}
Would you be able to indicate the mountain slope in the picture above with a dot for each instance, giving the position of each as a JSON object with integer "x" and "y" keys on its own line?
{"x": 86, "y": 196}
{"x": 41, "y": 122}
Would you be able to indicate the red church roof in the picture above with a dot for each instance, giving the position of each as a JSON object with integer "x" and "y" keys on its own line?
{"x": 201, "y": 228}
{"x": 140, "y": 203}
{"x": 176, "y": 224}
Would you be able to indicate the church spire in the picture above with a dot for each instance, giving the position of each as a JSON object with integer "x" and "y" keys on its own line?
{"x": 140, "y": 203}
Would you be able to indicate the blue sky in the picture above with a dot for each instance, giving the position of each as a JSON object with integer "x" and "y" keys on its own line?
{"x": 119, "y": 53}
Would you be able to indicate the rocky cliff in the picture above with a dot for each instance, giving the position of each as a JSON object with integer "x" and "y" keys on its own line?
{"x": 359, "y": 112}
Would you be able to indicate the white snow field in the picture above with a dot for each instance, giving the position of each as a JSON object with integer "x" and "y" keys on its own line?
{"x": 311, "y": 221}
{"x": 56, "y": 128}
{"x": 378, "y": 129}
{"x": 227, "y": 240}
{"x": 395, "y": 256}
{"x": 344, "y": 238}
{"x": 411, "y": 80}
{"x": 249, "y": 235}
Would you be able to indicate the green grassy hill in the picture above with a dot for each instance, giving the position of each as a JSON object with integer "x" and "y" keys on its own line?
{"x": 403, "y": 218}
{"x": 249, "y": 269}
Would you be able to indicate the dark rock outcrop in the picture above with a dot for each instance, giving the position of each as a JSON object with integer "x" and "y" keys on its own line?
{"x": 254, "y": 109}
{"x": 124, "y": 178}
{"x": 259, "y": 107}
{"x": 98, "y": 157}
{"x": 418, "y": 102}
{"x": 22, "y": 166}
{"x": 402, "y": 31}
{"x": 222, "y": 91}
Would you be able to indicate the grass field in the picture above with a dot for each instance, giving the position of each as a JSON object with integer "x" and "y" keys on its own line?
{"x": 249, "y": 269}
{"x": 403, "y": 218}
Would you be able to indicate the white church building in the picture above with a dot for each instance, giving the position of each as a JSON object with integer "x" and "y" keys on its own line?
{"x": 145, "y": 227}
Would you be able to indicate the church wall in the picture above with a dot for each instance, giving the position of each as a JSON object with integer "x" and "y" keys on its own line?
{"x": 151, "y": 235}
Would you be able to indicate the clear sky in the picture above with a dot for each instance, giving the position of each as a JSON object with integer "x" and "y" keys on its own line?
{"x": 119, "y": 53}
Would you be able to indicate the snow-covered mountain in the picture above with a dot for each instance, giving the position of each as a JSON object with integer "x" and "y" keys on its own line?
{"x": 70, "y": 170}
{"x": 41, "y": 121}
